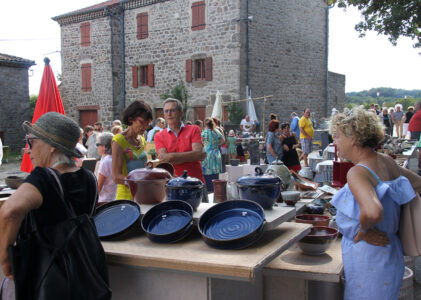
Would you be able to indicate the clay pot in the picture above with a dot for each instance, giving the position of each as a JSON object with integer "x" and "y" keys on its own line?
{"x": 219, "y": 190}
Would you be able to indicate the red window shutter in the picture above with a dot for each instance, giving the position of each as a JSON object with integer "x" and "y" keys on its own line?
{"x": 134, "y": 76}
{"x": 198, "y": 15}
{"x": 151, "y": 75}
{"x": 208, "y": 68}
{"x": 142, "y": 26}
{"x": 85, "y": 34}
{"x": 86, "y": 78}
{"x": 189, "y": 70}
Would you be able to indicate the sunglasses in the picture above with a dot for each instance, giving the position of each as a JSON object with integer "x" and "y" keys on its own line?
{"x": 28, "y": 140}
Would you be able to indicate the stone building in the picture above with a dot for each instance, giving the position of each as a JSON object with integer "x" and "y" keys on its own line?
{"x": 14, "y": 99}
{"x": 119, "y": 51}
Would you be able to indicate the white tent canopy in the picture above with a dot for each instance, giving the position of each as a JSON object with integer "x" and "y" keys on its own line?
{"x": 251, "y": 111}
{"x": 217, "y": 107}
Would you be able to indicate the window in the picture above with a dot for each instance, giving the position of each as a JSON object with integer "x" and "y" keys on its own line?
{"x": 142, "y": 26}
{"x": 199, "y": 69}
{"x": 198, "y": 15}
{"x": 199, "y": 66}
{"x": 143, "y": 75}
{"x": 86, "y": 78}
{"x": 85, "y": 34}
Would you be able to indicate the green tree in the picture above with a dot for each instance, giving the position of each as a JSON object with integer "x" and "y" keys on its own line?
{"x": 32, "y": 102}
{"x": 393, "y": 18}
{"x": 178, "y": 92}
{"x": 235, "y": 113}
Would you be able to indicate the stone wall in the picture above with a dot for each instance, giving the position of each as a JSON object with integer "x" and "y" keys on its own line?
{"x": 287, "y": 41}
{"x": 99, "y": 54}
{"x": 171, "y": 42}
{"x": 14, "y": 105}
{"x": 336, "y": 92}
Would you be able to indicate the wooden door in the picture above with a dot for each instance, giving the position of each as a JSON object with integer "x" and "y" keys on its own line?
{"x": 88, "y": 117}
{"x": 200, "y": 113}
{"x": 159, "y": 113}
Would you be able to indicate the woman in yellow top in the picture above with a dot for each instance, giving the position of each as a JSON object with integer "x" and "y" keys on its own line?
{"x": 128, "y": 147}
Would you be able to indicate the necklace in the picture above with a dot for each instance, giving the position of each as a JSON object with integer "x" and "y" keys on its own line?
{"x": 60, "y": 162}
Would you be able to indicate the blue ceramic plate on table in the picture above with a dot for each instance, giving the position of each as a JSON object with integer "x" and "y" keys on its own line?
{"x": 116, "y": 217}
{"x": 232, "y": 224}
{"x": 168, "y": 222}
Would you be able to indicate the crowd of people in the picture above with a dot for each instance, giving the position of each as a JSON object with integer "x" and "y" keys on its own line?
{"x": 367, "y": 207}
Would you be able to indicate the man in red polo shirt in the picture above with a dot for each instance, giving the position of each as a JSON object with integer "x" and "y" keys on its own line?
{"x": 180, "y": 144}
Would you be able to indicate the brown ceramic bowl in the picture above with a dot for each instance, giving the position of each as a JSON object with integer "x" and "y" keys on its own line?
{"x": 315, "y": 220}
{"x": 318, "y": 240}
{"x": 14, "y": 181}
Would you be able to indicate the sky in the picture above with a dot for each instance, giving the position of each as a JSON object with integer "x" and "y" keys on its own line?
{"x": 27, "y": 31}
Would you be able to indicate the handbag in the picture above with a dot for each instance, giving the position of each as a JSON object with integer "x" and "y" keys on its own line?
{"x": 410, "y": 227}
{"x": 64, "y": 261}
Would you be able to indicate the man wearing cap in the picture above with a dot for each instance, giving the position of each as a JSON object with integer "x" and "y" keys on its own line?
{"x": 180, "y": 144}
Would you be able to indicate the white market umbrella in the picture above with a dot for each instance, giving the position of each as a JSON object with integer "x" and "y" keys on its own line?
{"x": 251, "y": 111}
{"x": 217, "y": 107}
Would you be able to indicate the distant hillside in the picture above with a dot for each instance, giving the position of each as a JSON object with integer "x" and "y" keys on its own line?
{"x": 379, "y": 95}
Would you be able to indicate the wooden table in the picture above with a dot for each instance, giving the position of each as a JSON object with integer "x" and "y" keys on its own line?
{"x": 304, "y": 276}
{"x": 140, "y": 269}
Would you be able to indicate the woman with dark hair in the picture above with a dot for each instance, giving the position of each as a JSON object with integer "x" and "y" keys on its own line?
{"x": 128, "y": 147}
{"x": 289, "y": 144}
{"x": 86, "y": 134}
{"x": 273, "y": 143}
{"x": 106, "y": 187}
{"x": 387, "y": 121}
{"x": 212, "y": 165}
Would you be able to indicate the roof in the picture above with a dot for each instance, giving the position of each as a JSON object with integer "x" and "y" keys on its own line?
{"x": 98, "y": 10}
{"x": 14, "y": 61}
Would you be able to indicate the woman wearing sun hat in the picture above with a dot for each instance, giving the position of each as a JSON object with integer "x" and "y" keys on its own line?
{"x": 51, "y": 144}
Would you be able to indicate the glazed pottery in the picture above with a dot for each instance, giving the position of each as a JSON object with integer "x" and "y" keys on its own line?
{"x": 318, "y": 240}
{"x": 185, "y": 188}
{"x": 315, "y": 220}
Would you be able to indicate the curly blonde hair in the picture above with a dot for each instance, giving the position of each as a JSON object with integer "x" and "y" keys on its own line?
{"x": 364, "y": 126}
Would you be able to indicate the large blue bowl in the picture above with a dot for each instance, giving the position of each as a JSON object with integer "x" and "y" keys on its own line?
{"x": 232, "y": 224}
{"x": 168, "y": 222}
{"x": 116, "y": 217}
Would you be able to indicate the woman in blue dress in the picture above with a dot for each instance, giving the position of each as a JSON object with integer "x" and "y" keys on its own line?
{"x": 368, "y": 208}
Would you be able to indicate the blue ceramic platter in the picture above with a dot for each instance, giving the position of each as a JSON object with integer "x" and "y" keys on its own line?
{"x": 232, "y": 224}
{"x": 169, "y": 221}
{"x": 116, "y": 217}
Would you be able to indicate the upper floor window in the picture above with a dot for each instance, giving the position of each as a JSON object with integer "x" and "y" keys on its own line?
{"x": 198, "y": 15}
{"x": 85, "y": 34}
{"x": 143, "y": 75}
{"x": 199, "y": 73}
{"x": 142, "y": 26}
{"x": 86, "y": 78}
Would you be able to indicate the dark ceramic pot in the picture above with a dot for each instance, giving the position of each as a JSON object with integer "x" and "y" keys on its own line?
{"x": 234, "y": 224}
{"x": 185, "y": 188}
{"x": 263, "y": 189}
{"x": 315, "y": 220}
{"x": 318, "y": 240}
{"x": 168, "y": 222}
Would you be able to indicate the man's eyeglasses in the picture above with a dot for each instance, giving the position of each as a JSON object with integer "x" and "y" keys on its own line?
{"x": 29, "y": 139}
{"x": 171, "y": 110}
{"x": 98, "y": 144}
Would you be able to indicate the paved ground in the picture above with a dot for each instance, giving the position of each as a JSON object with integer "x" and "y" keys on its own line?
{"x": 13, "y": 168}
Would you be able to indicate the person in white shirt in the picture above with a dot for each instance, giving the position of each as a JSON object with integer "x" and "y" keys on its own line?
{"x": 247, "y": 125}
{"x": 106, "y": 187}
{"x": 159, "y": 126}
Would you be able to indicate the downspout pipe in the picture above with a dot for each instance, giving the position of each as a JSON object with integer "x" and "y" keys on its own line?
{"x": 247, "y": 48}
{"x": 123, "y": 51}
{"x": 327, "y": 60}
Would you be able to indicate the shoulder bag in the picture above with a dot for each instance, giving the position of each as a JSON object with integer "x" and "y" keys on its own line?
{"x": 65, "y": 261}
{"x": 410, "y": 227}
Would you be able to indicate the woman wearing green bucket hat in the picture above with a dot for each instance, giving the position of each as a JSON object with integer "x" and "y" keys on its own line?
{"x": 53, "y": 189}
